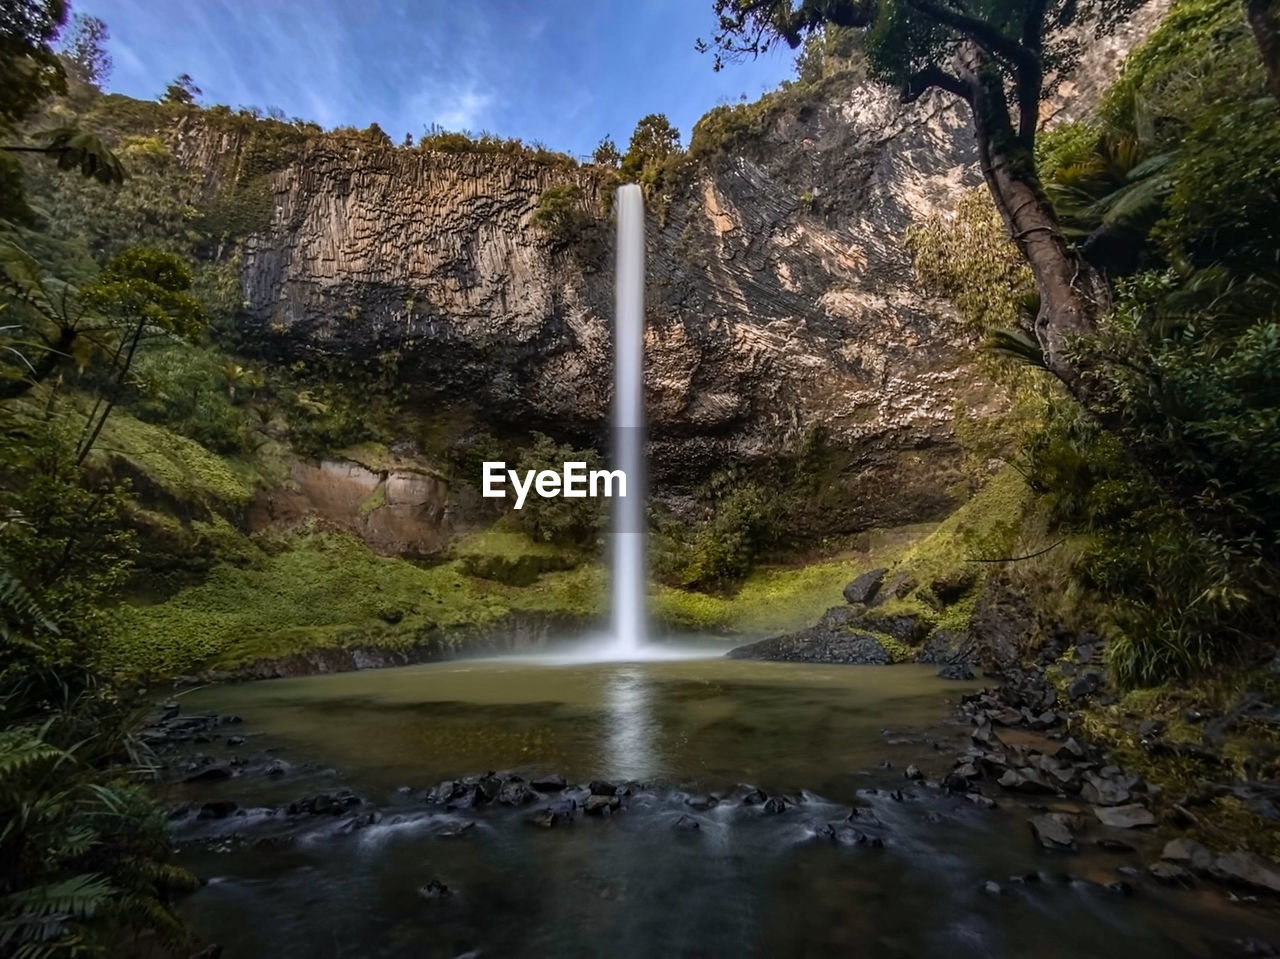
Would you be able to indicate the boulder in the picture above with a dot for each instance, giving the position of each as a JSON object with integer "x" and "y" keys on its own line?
{"x": 597, "y": 805}
{"x": 1086, "y": 684}
{"x": 1025, "y": 780}
{"x": 548, "y": 784}
{"x": 1103, "y": 791}
{"x": 818, "y": 644}
{"x": 898, "y": 586}
{"x": 599, "y": 788}
{"x": 1188, "y": 853}
{"x": 1132, "y": 816}
{"x": 516, "y": 793}
{"x": 958, "y": 671}
{"x": 434, "y": 890}
{"x": 1247, "y": 869}
{"x": 1169, "y": 872}
{"x": 862, "y": 589}
{"x": 1052, "y": 832}
{"x": 946, "y": 647}
{"x": 687, "y": 823}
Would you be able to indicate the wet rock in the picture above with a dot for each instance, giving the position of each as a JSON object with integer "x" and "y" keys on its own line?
{"x": 276, "y": 768}
{"x": 1070, "y": 750}
{"x": 687, "y": 823}
{"x": 1247, "y": 869}
{"x": 1103, "y": 791}
{"x": 229, "y": 720}
{"x": 434, "y": 891}
{"x": 169, "y": 710}
{"x": 548, "y": 784}
{"x": 1086, "y": 684}
{"x": 980, "y": 800}
{"x": 1169, "y": 872}
{"x": 544, "y": 818}
{"x": 993, "y": 888}
{"x": 448, "y": 791}
{"x": 905, "y": 628}
{"x": 1027, "y": 878}
{"x": 217, "y": 809}
{"x": 456, "y": 829}
{"x": 1119, "y": 888}
{"x": 913, "y": 772}
{"x": 1133, "y": 816}
{"x": 1005, "y": 716}
{"x": 597, "y": 805}
{"x": 211, "y": 773}
{"x": 946, "y": 647}
{"x": 1052, "y": 832}
{"x": 755, "y": 797}
{"x": 897, "y": 587}
{"x": 702, "y": 803}
{"x": 862, "y": 589}
{"x": 235, "y": 740}
{"x": 324, "y": 804}
{"x": 1114, "y": 845}
{"x": 516, "y": 793}
{"x": 956, "y": 671}
{"x": 1188, "y": 853}
{"x": 487, "y": 788}
{"x": 1025, "y": 780}
{"x": 599, "y": 788}
{"x": 983, "y": 734}
{"x": 774, "y": 805}
{"x": 819, "y": 644}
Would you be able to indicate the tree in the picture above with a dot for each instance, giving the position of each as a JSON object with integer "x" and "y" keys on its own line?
{"x": 182, "y": 90}
{"x": 606, "y": 153}
{"x": 84, "y": 51}
{"x": 29, "y": 69}
{"x": 653, "y": 141}
{"x": 1264, "y": 18}
{"x": 994, "y": 55}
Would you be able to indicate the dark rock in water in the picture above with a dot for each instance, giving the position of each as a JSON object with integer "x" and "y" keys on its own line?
{"x": 702, "y": 803}
{"x": 324, "y": 804}
{"x": 1169, "y": 872}
{"x": 277, "y": 767}
{"x": 755, "y": 797}
{"x": 1132, "y": 816}
{"x": 978, "y": 799}
{"x": 212, "y": 773}
{"x": 993, "y": 888}
{"x": 864, "y": 588}
{"x": 603, "y": 789}
{"x": 169, "y": 710}
{"x": 548, "y": 784}
{"x": 448, "y": 791}
{"x": 218, "y": 809}
{"x": 1114, "y": 845}
{"x": 546, "y": 818}
{"x": 1249, "y": 946}
{"x": 1025, "y": 879}
{"x": 488, "y": 787}
{"x": 774, "y": 805}
{"x": 597, "y": 805}
{"x": 1247, "y": 869}
{"x": 841, "y": 617}
{"x": 1119, "y": 888}
{"x": 455, "y": 829}
{"x": 229, "y": 720}
{"x": 1052, "y": 832}
{"x": 913, "y": 772}
{"x": 1086, "y": 684}
{"x": 1188, "y": 853}
{"x": 687, "y": 823}
{"x": 818, "y": 644}
{"x": 956, "y": 782}
{"x": 983, "y": 733}
{"x": 956, "y": 671}
{"x": 435, "y": 890}
{"x": 235, "y": 740}
{"x": 946, "y": 647}
{"x": 516, "y": 793}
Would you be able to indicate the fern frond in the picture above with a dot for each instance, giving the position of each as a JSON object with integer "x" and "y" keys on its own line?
{"x": 1016, "y": 345}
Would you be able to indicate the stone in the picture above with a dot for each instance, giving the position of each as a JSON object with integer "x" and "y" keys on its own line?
{"x": 1133, "y": 816}
{"x": 435, "y": 890}
{"x": 1025, "y": 780}
{"x": 702, "y": 803}
{"x": 235, "y": 740}
{"x": 1189, "y": 853}
{"x": 913, "y": 772}
{"x": 687, "y": 823}
{"x": 516, "y": 793}
{"x": 211, "y": 773}
{"x": 1114, "y": 845}
{"x": 277, "y": 767}
{"x": 946, "y": 647}
{"x": 548, "y": 784}
{"x": 951, "y": 586}
{"x": 598, "y": 788}
{"x": 1107, "y": 791}
{"x": 1070, "y": 750}
{"x": 543, "y": 818}
{"x": 960, "y": 671}
{"x": 897, "y": 587}
{"x": 818, "y": 644}
{"x": 755, "y": 797}
{"x": 1086, "y": 684}
{"x": 1119, "y": 887}
{"x": 1052, "y": 832}
{"x": 1169, "y": 872}
{"x": 774, "y": 805}
{"x": 991, "y": 887}
{"x": 456, "y": 829}
{"x": 597, "y": 805}
{"x": 217, "y": 809}
{"x": 1247, "y": 869}
{"x": 863, "y": 588}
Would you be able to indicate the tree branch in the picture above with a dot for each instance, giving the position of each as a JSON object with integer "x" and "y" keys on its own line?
{"x": 934, "y": 76}
{"x": 979, "y": 31}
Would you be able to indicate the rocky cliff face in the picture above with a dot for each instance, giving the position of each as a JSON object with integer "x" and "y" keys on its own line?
{"x": 780, "y": 292}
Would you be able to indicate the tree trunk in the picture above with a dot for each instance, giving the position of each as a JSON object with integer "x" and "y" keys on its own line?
{"x": 1073, "y": 295}
{"x": 1264, "y": 18}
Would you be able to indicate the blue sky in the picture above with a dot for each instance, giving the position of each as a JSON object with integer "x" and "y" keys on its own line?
{"x": 562, "y": 72}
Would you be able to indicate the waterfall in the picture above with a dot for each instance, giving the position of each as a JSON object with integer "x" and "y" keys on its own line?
{"x": 629, "y": 522}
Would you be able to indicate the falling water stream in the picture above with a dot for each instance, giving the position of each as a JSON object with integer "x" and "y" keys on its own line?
{"x": 629, "y": 613}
